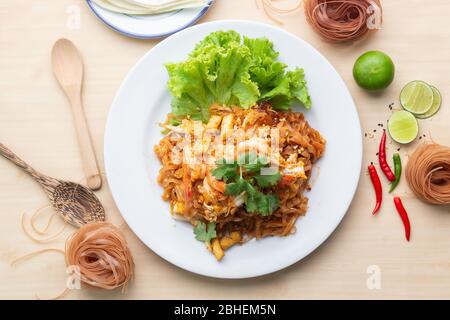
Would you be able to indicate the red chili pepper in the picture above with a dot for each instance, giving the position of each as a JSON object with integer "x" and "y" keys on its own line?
{"x": 377, "y": 186}
{"x": 382, "y": 159}
{"x": 404, "y": 215}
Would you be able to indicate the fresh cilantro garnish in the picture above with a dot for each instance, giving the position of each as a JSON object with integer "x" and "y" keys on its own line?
{"x": 267, "y": 204}
{"x": 202, "y": 233}
{"x": 236, "y": 188}
{"x": 263, "y": 204}
{"x": 246, "y": 158}
{"x": 267, "y": 180}
{"x": 251, "y": 163}
{"x": 225, "y": 171}
{"x": 251, "y": 201}
{"x": 255, "y": 200}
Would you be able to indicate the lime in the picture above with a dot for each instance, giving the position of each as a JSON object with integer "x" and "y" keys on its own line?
{"x": 437, "y": 99}
{"x": 374, "y": 70}
{"x": 403, "y": 126}
{"x": 417, "y": 97}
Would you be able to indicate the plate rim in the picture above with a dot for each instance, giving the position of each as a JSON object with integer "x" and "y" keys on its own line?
{"x": 287, "y": 262}
{"x": 149, "y": 36}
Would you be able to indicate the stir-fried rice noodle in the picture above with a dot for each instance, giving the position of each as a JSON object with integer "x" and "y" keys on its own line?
{"x": 195, "y": 195}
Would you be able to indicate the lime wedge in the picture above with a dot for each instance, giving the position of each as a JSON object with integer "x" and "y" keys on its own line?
{"x": 417, "y": 97}
{"x": 403, "y": 127}
{"x": 437, "y": 100}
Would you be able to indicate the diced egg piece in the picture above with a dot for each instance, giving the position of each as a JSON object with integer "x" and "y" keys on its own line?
{"x": 254, "y": 144}
{"x": 227, "y": 125}
{"x": 199, "y": 147}
{"x": 189, "y": 125}
{"x": 177, "y": 129}
{"x": 214, "y": 122}
{"x": 295, "y": 170}
{"x": 178, "y": 208}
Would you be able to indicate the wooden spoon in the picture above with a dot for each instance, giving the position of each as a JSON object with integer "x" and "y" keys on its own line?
{"x": 68, "y": 70}
{"x": 75, "y": 203}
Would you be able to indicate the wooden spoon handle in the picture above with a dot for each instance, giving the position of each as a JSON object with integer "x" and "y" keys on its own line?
{"x": 91, "y": 171}
{"x": 11, "y": 156}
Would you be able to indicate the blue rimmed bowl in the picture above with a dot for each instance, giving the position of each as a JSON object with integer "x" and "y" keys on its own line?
{"x": 149, "y": 27}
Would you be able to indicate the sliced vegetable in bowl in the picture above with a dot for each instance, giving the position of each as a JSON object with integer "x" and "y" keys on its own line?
{"x": 133, "y": 7}
{"x": 231, "y": 70}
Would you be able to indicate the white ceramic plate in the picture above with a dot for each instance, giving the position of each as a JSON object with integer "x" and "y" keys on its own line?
{"x": 149, "y": 27}
{"x": 132, "y": 167}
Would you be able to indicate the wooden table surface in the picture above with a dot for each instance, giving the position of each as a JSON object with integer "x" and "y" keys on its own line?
{"x": 35, "y": 121}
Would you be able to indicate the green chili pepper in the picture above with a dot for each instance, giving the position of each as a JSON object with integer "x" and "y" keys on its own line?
{"x": 398, "y": 171}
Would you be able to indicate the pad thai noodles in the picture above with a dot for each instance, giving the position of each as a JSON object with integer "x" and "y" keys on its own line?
{"x": 198, "y": 196}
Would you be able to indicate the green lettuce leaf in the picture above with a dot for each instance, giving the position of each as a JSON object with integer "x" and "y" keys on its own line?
{"x": 218, "y": 39}
{"x": 278, "y": 86}
{"x": 228, "y": 70}
{"x": 292, "y": 86}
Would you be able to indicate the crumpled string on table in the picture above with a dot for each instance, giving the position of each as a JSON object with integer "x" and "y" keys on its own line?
{"x": 270, "y": 8}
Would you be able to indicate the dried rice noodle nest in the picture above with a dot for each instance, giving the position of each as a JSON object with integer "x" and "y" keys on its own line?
{"x": 428, "y": 173}
{"x": 101, "y": 252}
{"x": 343, "y": 20}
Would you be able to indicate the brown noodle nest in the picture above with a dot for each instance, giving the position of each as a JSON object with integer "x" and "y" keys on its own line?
{"x": 340, "y": 20}
{"x": 101, "y": 252}
{"x": 428, "y": 173}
